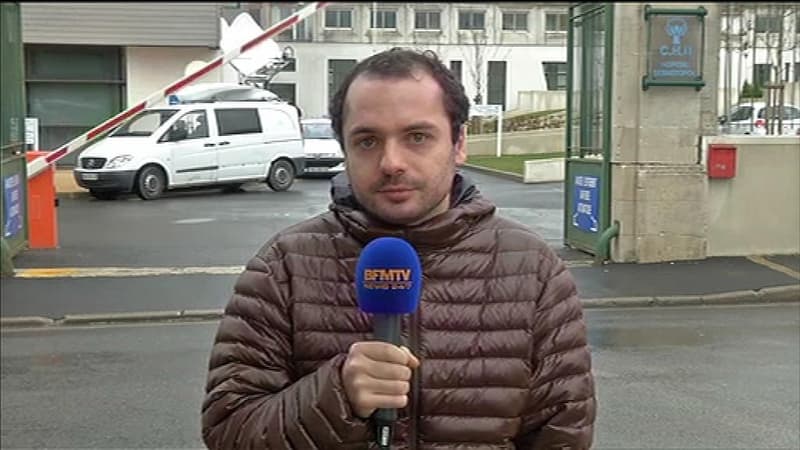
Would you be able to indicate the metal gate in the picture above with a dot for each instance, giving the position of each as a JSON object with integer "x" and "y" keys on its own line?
{"x": 587, "y": 182}
{"x": 13, "y": 177}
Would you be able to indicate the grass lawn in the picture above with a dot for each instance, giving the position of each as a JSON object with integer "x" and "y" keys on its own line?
{"x": 508, "y": 163}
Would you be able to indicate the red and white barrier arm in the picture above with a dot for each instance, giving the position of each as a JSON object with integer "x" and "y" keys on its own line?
{"x": 37, "y": 165}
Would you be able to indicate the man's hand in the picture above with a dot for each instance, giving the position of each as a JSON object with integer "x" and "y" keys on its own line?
{"x": 376, "y": 375}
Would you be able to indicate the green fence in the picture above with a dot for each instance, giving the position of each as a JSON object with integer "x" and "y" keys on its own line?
{"x": 12, "y": 135}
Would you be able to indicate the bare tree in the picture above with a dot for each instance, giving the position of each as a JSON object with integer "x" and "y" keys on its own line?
{"x": 475, "y": 58}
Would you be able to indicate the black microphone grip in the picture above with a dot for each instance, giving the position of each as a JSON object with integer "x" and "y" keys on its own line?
{"x": 386, "y": 328}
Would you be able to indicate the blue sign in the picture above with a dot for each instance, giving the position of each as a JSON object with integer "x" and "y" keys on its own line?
{"x": 12, "y": 205}
{"x": 585, "y": 203}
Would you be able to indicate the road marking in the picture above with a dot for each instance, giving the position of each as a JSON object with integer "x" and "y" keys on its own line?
{"x": 115, "y": 272}
{"x": 775, "y": 266}
{"x": 193, "y": 221}
{"x": 571, "y": 264}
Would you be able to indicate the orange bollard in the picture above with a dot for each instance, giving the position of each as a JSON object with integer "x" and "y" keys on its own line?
{"x": 42, "y": 217}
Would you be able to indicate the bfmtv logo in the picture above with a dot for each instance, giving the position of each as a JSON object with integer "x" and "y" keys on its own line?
{"x": 677, "y": 29}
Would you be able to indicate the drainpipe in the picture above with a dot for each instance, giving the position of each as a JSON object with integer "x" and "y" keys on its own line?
{"x": 603, "y": 244}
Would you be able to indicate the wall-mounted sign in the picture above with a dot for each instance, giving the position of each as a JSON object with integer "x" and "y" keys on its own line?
{"x": 675, "y": 47}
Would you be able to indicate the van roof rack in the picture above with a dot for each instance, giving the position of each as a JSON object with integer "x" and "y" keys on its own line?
{"x": 222, "y": 92}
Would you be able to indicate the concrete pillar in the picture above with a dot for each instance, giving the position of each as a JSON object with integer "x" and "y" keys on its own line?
{"x": 659, "y": 186}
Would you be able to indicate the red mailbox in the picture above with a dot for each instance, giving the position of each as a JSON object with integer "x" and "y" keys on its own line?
{"x": 721, "y": 161}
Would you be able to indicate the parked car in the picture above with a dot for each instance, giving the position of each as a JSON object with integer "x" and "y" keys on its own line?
{"x": 323, "y": 154}
{"x": 224, "y": 143}
{"x": 751, "y": 118}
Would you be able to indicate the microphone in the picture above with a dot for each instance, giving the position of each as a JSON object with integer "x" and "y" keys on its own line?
{"x": 388, "y": 285}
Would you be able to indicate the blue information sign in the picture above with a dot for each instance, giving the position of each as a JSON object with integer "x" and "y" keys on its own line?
{"x": 12, "y": 203}
{"x": 585, "y": 203}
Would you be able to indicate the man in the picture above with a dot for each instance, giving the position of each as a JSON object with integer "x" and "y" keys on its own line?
{"x": 496, "y": 355}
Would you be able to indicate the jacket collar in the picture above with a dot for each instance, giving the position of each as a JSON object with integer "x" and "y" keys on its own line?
{"x": 467, "y": 206}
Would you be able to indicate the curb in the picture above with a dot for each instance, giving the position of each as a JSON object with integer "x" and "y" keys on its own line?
{"x": 778, "y": 294}
{"x": 112, "y": 318}
{"x": 770, "y": 295}
{"x": 498, "y": 173}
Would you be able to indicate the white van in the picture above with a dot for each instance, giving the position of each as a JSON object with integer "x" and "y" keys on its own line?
{"x": 323, "y": 152}
{"x": 223, "y": 143}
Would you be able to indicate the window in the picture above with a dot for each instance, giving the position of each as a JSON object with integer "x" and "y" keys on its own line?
{"x": 297, "y": 32}
{"x": 555, "y": 73}
{"x": 144, "y": 123}
{"x": 455, "y": 67}
{"x": 470, "y": 20}
{"x": 196, "y": 123}
{"x": 555, "y": 22}
{"x": 789, "y": 113}
{"x": 383, "y": 19}
{"x": 742, "y": 113}
{"x": 337, "y": 71}
{"x": 515, "y": 21}
{"x": 769, "y": 24}
{"x": 496, "y": 83}
{"x": 761, "y": 74}
{"x": 428, "y": 20}
{"x": 71, "y": 89}
{"x": 286, "y": 91}
{"x": 238, "y": 121}
{"x": 338, "y": 18}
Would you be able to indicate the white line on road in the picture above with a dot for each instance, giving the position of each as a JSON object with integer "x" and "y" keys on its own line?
{"x": 123, "y": 272}
{"x": 115, "y": 272}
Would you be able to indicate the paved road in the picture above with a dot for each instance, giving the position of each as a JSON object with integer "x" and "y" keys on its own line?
{"x": 724, "y": 377}
{"x": 210, "y": 228}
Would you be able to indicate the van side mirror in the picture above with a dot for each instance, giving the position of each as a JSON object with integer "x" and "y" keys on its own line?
{"x": 722, "y": 119}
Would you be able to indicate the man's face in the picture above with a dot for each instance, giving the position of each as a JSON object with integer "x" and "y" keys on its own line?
{"x": 399, "y": 154}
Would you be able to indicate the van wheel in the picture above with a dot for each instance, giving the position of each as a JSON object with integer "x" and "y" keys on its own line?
{"x": 103, "y": 195}
{"x": 150, "y": 183}
{"x": 281, "y": 175}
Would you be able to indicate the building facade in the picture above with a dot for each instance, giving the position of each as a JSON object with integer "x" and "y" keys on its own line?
{"x": 86, "y": 62}
{"x": 498, "y": 50}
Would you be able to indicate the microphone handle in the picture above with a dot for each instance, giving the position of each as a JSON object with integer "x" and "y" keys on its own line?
{"x": 386, "y": 328}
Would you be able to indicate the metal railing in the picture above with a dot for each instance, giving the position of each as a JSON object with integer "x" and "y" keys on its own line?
{"x": 759, "y": 63}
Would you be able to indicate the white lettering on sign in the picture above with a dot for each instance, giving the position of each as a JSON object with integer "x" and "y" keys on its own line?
{"x": 585, "y": 195}
{"x": 12, "y": 182}
{"x": 584, "y": 208}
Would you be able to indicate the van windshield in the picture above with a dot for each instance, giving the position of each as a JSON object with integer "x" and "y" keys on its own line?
{"x": 317, "y": 131}
{"x": 144, "y": 123}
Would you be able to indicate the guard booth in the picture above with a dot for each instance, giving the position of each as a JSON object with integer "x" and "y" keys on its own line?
{"x": 12, "y": 135}
{"x": 587, "y": 180}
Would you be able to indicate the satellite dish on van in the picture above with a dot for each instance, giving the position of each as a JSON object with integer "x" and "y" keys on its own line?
{"x": 193, "y": 67}
{"x": 242, "y": 30}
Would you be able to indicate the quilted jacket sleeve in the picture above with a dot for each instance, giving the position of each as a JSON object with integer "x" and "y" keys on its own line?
{"x": 562, "y": 405}
{"x": 253, "y": 399}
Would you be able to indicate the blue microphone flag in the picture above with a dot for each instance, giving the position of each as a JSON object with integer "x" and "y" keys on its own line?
{"x": 388, "y": 277}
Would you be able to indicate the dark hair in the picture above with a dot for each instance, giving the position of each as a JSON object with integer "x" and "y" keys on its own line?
{"x": 401, "y": 63}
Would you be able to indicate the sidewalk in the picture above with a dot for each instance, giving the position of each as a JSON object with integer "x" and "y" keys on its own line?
{"x": 66, "y": 185}
{"x": 202, "y": 296}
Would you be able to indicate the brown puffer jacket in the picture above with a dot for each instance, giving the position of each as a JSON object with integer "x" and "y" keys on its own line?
{"x": 499, "y": 332}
